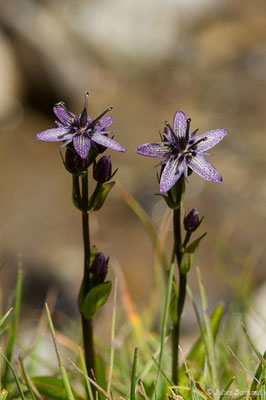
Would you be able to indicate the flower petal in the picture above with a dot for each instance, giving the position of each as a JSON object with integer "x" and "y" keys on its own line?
{"x": 180, "y": 123}
{"x": 82, "y": 145}
{"x": 54, "y": 135}
{"x": 171, "y": 173}
{"x": 212, "y": 138}
{"x": 65, "y": 116}
{"x": 107, "y": 142}
{"x": 153, "y": 149}
{"x": 204, "y": 169}
{"x": 105, "y": 122}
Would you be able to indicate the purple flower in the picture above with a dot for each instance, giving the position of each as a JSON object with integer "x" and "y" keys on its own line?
{"x": 102, "y": 169}
{"x": 84, "y": 132}
{"x": 99, "y": 268}
{"x": 192, "y": 221}
{"x": 183, "y": 150}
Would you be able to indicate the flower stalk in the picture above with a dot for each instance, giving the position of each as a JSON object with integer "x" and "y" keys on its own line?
{"x": 87, "y": 324}
{"x": 183, "y": 153}
{"x": 180, "y": 189}
{"x": 84, "y": 139}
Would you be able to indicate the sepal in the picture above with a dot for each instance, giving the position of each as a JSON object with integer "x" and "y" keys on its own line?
{"x": 99, "y": 195}
{"x": 188, "y": 255}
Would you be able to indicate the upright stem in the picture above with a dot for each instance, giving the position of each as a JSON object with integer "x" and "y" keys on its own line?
{"x": 87, "y": 326}
{"x": 182, "y": 280}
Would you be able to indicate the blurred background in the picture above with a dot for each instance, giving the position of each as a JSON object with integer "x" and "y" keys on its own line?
{"x": 147, "y": 59}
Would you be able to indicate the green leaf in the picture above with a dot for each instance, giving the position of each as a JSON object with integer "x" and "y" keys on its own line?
{"x": 93, "y": 253}
{"x": 50, "y": 387}
{"x": 188, "y": 255}
{"x": 99, "y": 195}
{"x": 174, "y": 303}
{"x": 95, "y": 299}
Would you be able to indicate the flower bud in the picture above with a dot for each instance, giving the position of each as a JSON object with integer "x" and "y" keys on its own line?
{"x": 74, "y": 163}
{"x": 99, "y": 268}
{"x": 192, "y": 221}
{"x": 102, "y": 170}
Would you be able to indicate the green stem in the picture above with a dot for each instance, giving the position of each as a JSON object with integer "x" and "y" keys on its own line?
{"x": 182, "y": 278}
{"x": 87, "y": 326}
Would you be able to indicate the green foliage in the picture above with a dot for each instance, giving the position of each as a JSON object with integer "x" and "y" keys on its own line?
{"x": 99, "y": 195}
{"x": 209, "y": 364}
{"x": 189, "y": 254}
{"x": 173, "y": 303}
{"x": 94, "y": 299}
{"x": 50, "y": 387}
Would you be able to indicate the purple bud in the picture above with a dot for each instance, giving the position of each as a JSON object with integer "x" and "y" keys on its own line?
{"x": 102, "y": 170}
{"x": 192, "y": 221}
{"x": 99, "y": 268}
{"x": 74, "y": 163}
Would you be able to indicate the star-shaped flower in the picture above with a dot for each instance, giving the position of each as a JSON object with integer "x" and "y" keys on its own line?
{"x": 84, "y": 132}
{"x": 183, "y": 150}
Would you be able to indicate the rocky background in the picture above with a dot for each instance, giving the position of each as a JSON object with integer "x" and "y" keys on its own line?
{"x": 147, "y": 59}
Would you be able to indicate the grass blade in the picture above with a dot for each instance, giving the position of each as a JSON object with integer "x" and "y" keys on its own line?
{"x": 15, "y": 376}
{"x": 209, "y": 335}
{"x": 165, "y": 317}
{"x": 4, "y": 318}
{"x": 13, "y": 328}
{"x": 26, "y": 378}
{"x": 227, "y": 387}
{"x": 262, "y": 359}
{"x": 84, "y": 368}
{"x": 134, "y": 376}
{"x": 257, "y": 375}
{"x": 91, "y": 380}
{"x": 145, "y": 220}
{"x": 64, "y": 376}
{"x": 112, "y": 340}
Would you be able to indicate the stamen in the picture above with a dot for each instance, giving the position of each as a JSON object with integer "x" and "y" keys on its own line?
{"x": 173, "y": 133}
{"x": 86, "y": 100}
{"x": 196, "y": 143}
{"x": 187, "y": 130}
{"x": 84, "y": 115}
{"x": 100, "y": 116}
{"x": 62, "y": 104}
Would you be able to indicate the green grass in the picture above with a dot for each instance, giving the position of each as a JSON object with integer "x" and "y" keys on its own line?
{"x": 223, "y": 356}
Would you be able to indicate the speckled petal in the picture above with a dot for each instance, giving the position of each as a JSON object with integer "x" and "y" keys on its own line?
{"x": 153, "y": 149}
{"x": 65, "y": 116}
{"x": 82, "y": 145}
{"x": 180, "y": 123}
{"x": 54, "y": 135}
{"x": 107, "y": 142}
{"x": 171, "y": 173}
{"x": 105, "y": 122}
{"x": 204, "y": 169}
{"x": 212, "y": 138}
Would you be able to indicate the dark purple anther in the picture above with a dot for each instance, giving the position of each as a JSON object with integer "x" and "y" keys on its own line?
{"x": 192, "y": 221}
{"x": 102, "y": 170}
{"x": 99, "y": 268}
